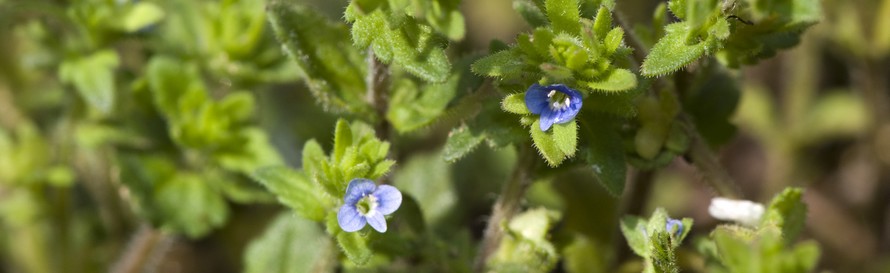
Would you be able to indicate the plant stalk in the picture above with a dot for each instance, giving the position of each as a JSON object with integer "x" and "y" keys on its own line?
{"x": 505, "y": 207}
{"x": 377, "y": 84}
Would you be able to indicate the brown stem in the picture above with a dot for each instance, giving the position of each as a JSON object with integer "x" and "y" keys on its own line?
{"x": 505, "y": 207}
{"x": 146, "y": 250}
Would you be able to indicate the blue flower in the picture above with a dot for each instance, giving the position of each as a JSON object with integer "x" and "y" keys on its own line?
{"x": 555, "y": 103}
{"x": 674, "y": 223}
{"x": 367, "y": 203}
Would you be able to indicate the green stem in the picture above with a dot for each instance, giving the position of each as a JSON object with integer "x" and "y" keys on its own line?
{"x": 506, "y": 206}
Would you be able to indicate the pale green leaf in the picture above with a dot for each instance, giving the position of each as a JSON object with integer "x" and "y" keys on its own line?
{"x": 93, "y": 78}
{"x": 140, "y": 15}
{"x": 333, "y": 69}
{"x": 671, "y": 52}
{"x": 632, "y": 228}
{"x": 564, "y": 15}
{"x": 565, "y": 135}
{"x": 427, "y": 178}
{"x": 461, "y": 141}
{"x": 297, "y": 191}
{"x": 788, "y": 212}
{"x": 515, "y": 103}
{"x": 618, "y": 79}
{"x": 289, "y": 245}
{"x": 503, "y": 64}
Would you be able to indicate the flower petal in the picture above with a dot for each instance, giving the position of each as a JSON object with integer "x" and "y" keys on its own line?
{"x": 671, "y": 223}
{"x": 388, "y": 199}
{"x": 375, "y": 218}
{"x": 547, "y": 119}
{"x": 357, "y": 189}
{"x": 349, "y": 219}
{"x": 575, "y": 101}
{"x": 536, "y": 99}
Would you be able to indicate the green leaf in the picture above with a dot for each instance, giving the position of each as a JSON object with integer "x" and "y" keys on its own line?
{"x": 613, "y": 40}
{"x": 632, "y": 228}
{"x": 333, "y": 69}
{"x": 617, "y": 80}
{"x": 408, "y": 44}
{"x": 603, "y": 23}
{"x": 606, "y": 158}
{"x": 93, "y": 78}
{"x": 353, "y": 244}
{"x": 170, "y": 80}
{"x": 503, "y": 64}
{"x": 564, "y": 15}
{"x": 671, "y": 52}
{"x": 565, "y": 136}
{"x": 545, "y": 144}
{"x": 427, "y": 178}
{"x": 530, "y": 12}
{"x": 525, "y": 247}
{"x": 515, "y": 103}
{"x": 461, "y": 141}
{"x": 788, "y": 212}
{"x": 140, "y": 15}
{"x": 342, "y": 140}
{"x": 289, "y": 245}
{"x": 313, "y": 155}
{"x": 414, "y": 105}
{"x": 190, "y": 205}
{"x": 297, "y": 191}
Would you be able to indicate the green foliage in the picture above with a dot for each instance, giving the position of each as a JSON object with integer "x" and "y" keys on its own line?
{"x": 557, "y": 144}
{"x": 427, "y": 178}
{"x": 353, "y": 244}
{"x": 399, "y": 40}
{"x": 525, "y": 247}
{"x": 764, "y": 251}
{"x": 297, "y": 191}
{"x": 414, "y": 104}
{"x": 180, "y": 201}
{"x": 605, "y": 156}
{"x": 140, "y": 15}
{"x": 93, "y": 78}
{"x": 333, "y": 69}
{"x": 289, "y": 245}
{"x": 711, "y": 100}
{"x": 198, "y": 124}
{"x": 787, "y": 212}
{"x": 709, "y": 28}
{"x": 442, "y": 15}
{"x": 356, "y": 154}
{"x": 651, "y": 240}
{"x": 584, "y": 54}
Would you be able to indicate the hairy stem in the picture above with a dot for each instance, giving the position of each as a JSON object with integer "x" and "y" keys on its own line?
{"x": 706, "y": 162}
{"x": 506, "y": 206}
{"x": 145, "y": 251}
{"x": 377, "y": 83}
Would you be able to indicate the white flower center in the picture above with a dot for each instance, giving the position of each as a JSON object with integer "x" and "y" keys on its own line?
{"x": 558, "y": 100}
{"x": 366, "y": 205}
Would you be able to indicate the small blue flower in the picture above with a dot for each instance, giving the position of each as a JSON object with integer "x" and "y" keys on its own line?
{"x": 555, "y": 103}
{"x": 674, "y": 223}
{"x": 367, "y": 203}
